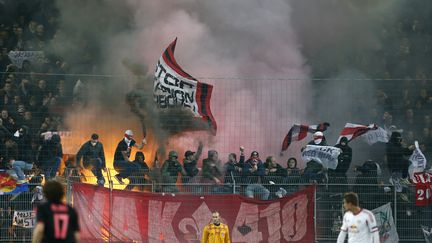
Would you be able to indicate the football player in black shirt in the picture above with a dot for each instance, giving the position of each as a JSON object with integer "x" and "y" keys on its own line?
{"x": 55, "y": 221}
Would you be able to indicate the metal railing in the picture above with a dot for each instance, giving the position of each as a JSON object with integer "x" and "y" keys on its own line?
{"x": 372, "y": 192}
{"x": 328, "y": 200}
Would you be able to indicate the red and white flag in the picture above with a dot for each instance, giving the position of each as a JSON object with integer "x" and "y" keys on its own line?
{"x": 298, "y": 132}
{"x": 173, "y": 87}
{"x": 352, "y": 131}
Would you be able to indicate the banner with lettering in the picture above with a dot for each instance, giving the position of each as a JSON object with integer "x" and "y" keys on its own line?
{"x": 423, "y": 182}
{"x": 25, "y": 219}
{"x": 173, "y": 87}
{"x": 148, "y": 217}
{"x": 18, "y": 57}
{"x": 325, "y": 155}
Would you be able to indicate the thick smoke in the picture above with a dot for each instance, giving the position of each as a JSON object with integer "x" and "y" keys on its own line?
{"x": 217, "y": 39}
{"x": 346, "y": 45}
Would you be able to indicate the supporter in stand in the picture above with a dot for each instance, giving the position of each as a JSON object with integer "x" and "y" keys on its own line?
{"x": 293, "y": 176}
{"x": 274, "y": 177}
{"x": 293, "y": 172}
{"x": 18, "y": 167}
{"x": 190, "y": 162}
{"x": 232, "y": 170}
{"x": 344, "y": 161}
{"x": 170, "y": 172}
{"x": 155, "y": 171}
{"x": 253, "y": 172}
{"x": 93, "y": 158}
{"x": 212, "y": 171}
{"x": 122, "y": 164}
{"x": 397, "y": 161}
{"x": 50, "y": 155}
{"x": 314, "y": 171}
{"x": 139, "y": 177}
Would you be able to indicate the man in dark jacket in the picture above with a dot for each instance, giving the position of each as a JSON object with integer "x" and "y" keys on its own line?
{"x": 170, "y": 171}
{"x": 122, "y": 164}
{"x": 23, "y": 141}
{"x": 396, "y": 155}
{"x": 233, "y": 168}
{"x": 190, "y": 163}
{"x": 50, "y": 155}
{"x": 274, "y": 174}
{"x": 314, "y": 171}
{"x": 212, "y": 171}
{"x": 253, "y": 172}
{"x": 397, "y": 161}
{"x": 93, "y": 158}
{"x": 140, "y": 177}
{"x": 344, "y": 160}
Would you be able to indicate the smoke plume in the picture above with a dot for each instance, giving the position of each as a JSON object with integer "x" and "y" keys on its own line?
{"x": 218, "y": 41}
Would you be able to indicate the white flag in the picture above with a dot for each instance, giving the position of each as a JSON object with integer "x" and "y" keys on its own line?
{"x": 385, "y": 223}
{"x": 427, "y": 232}
{"x": 325, "y": 155}
{"x": 173, "y": 87}
{"x": 418, "y": 161}
{"x": 374, "y": 136}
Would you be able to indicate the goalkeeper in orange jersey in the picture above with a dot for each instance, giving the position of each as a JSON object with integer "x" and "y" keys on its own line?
{"x": 216, "y": 232}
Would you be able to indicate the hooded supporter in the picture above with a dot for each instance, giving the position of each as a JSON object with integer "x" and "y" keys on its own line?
{"x": 397, "y": 161}
{"x": 344, "y": 160}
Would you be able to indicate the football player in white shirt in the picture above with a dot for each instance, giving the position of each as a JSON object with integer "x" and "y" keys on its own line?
{"x": 359, "y": 223}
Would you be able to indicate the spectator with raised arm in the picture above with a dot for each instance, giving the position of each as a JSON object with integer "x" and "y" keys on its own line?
{"x": 122, "y": 164}
{"x": 190, "y": 162}
{"x": 233, "y": 168}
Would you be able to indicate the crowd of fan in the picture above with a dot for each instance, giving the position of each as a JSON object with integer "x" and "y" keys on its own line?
{"x": 31, "y": 104}
{"x": 255, "y": 177}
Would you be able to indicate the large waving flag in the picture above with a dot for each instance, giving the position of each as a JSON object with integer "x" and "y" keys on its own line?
{"x": 173, "y": 87}
{"x": 352, "y": 131}
{"x": 298, "y": 132}
{"x": 9, "y": 186}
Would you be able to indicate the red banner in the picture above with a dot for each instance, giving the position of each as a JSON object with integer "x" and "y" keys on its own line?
{"x": 423, "y": 182}
{"x": 147, "y": 217}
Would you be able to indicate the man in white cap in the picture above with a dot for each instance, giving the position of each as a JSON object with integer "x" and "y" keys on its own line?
{"x": 122, "y": 164}
{"x": 318, "y": 139}
{"x": 314, "y": 171}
